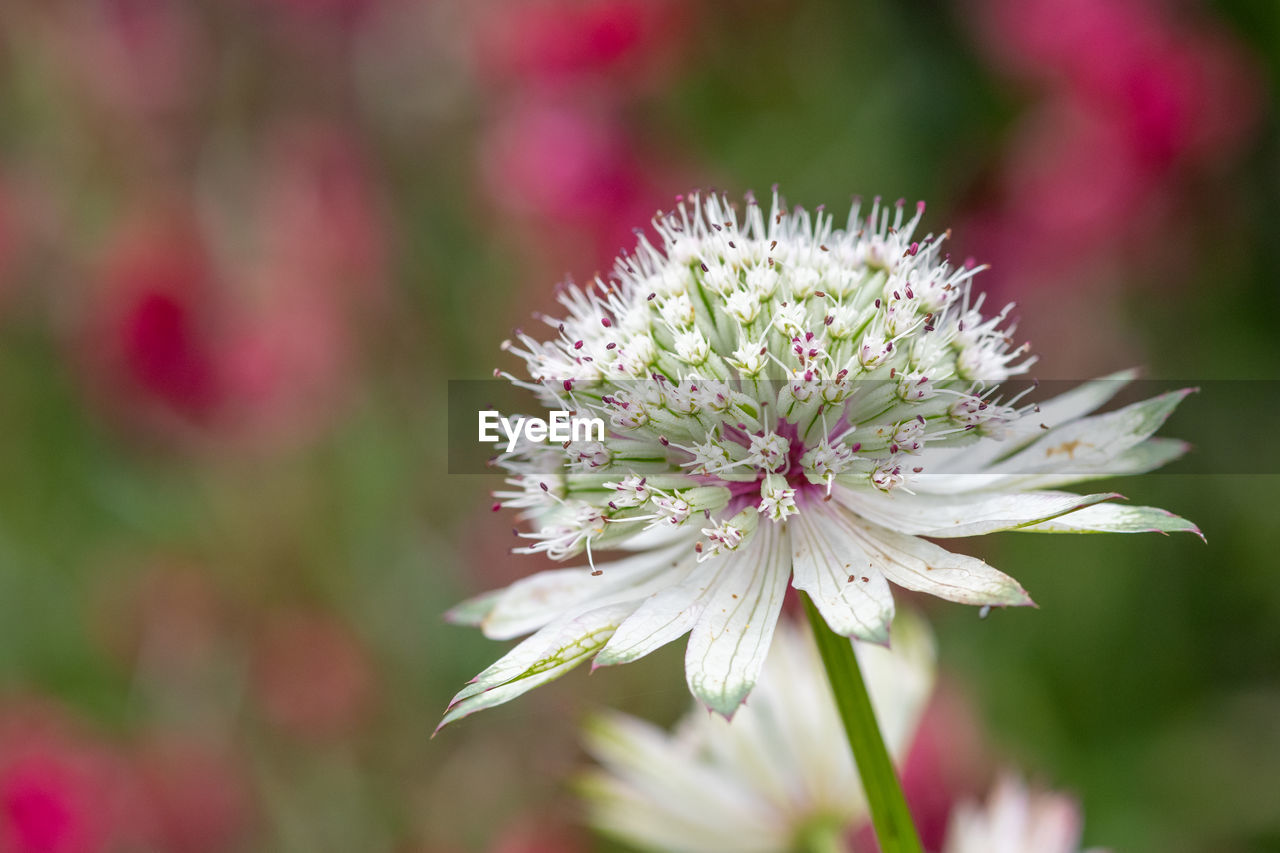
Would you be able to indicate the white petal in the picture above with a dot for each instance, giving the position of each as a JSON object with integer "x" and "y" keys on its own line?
{"x": 473, "y": 611}
{"x": 665, "y": 616}
{"x": 1055, "y": 412}
{"x": 946, "y": 516}
{"x": 1139, "y": 459}
{"x": 728, "y": 644}
{"x": 829, "y": 564}
{"x": 922, "y": 566}
{"x": 660, "y": 794}
{"x": 543, "y": 657}
{"x": 1092, "y": 444}
{"x": 1117, "y": 518}
{"x": 532, "y": 602}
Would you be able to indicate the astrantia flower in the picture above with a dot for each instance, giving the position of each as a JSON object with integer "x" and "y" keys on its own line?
{"x": 787, "y": 403}
{"x": 1016, "y": 820}
{"x": 772, "y": 777}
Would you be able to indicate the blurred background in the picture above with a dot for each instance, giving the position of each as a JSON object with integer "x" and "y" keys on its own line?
{"x": 245, "y": 243}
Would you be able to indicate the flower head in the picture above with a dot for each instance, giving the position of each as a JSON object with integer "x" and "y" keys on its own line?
{"x": 1015, "y": 820}
{"x": 772, "y": 776}
{"x": 788, "y": 403}
{"x": 770, "y": 780}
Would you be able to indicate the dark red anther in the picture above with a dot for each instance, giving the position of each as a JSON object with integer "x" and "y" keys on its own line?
{"x": 606, "y": 322}
{"x": 577, "y": 344}
{"x": 662, "y": 439}
{"x": 611, "y": 345}
{"x": 828, "y": 320}
{"x": 650, "y": 297}
{"x": 855, "y": 447}
{"x": 568, "y": 385}
{"x": 495, "y": 507}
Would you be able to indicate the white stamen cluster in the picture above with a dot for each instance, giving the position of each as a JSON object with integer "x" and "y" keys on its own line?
{"x": 750, "y": 360}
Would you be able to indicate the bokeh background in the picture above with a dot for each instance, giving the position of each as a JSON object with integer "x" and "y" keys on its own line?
{"x": 244, "y": 244}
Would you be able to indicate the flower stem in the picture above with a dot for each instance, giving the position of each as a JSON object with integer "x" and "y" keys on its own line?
{"x": 889, "y": 814}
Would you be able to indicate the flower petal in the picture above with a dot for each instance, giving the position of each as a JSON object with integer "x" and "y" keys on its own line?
{"x": 1092, "y": 444}
{"x": 830, "y": 565}
{"x": 656, "y": 793}
{"x": 665, "y": 616}
{"x": 945, "y": 516}
{"x": 729, "y": 642}
{"x": 1139, "y": 459}
{"x": 543, "y": 657}
{"x": 473, "y": 611}
{"x": 532, "y": 602}
{"x": 1052, "y": 413}
{"x": 922, "y": 566}
{"x": 1117, "y": 518}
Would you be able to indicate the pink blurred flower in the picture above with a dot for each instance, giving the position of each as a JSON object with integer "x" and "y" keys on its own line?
{"x": 558, "y": 160}
{"x": 193, "y": 796}
{"x": 145, "y": 59}
{"x": 1135, "y": 98}
{"x": 313, "y": 677}
{"x": 532, "y": 40}
{"x": 946, "y": 764}
{"x": 1175, "y": 87}
{"x": 243, "y": 323}
{"x": 59, "y": 791}
{"x": 153, "y": 325}
{"x": 175, "y": 342}
{"x": 570, "y": 173}
{"x": 319, "y": 212}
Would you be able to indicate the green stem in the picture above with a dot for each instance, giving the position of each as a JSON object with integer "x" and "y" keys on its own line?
{"x": 889, "y": 815}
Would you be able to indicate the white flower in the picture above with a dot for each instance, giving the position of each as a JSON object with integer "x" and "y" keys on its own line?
{"x": 1016, "y": 820}
{"x": 859, "y": 410}
{"x": 774, "y": 774}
